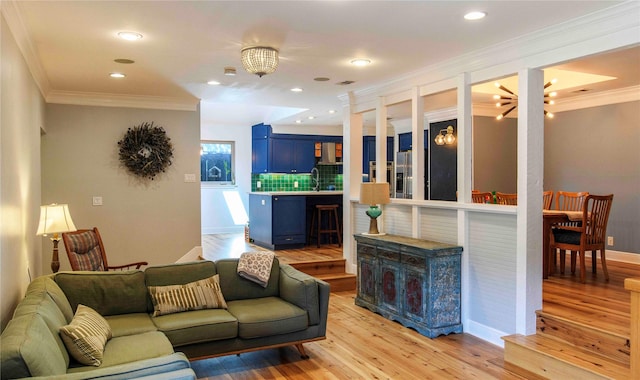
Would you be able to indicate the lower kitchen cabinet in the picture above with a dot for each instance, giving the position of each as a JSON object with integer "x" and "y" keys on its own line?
{"x": 277, "y": 220}
{"x": 415, "y": 282}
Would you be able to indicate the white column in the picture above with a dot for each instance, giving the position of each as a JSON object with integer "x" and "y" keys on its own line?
{"x": 529, "y": 219}
{"x": 352, "y": 177}
{"x": 417, "y": 141}
{"x": 381, "y": 141}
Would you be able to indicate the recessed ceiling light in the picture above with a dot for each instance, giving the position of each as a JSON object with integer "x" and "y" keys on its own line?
{"x": 361, "y": 62}
{"x": 321, "y": 79}
{"x": 123, "y": 60}
{"x": 332, "y": 111}
{"x": 298, "y": 121}
{"x": 117, "y": 75}
{"x": 213, "y": 82}
{"x": 296, "y": 89}
{"x": 475, "y": 15}
{"x": 130, "y": 36}
{"x": 311, "y": 117}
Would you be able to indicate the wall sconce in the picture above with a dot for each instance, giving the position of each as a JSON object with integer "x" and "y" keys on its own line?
{"x": 448, "y": 139}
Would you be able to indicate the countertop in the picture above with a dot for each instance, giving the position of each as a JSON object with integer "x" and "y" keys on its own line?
{"x": 321, "y": 192}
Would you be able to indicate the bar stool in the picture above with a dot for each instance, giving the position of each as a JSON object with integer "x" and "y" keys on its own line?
{"x": 332, "y": 225}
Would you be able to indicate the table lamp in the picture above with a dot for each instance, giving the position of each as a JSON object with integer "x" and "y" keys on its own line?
{"x": 374, "y": 194}
{"x": 55, "y": 219}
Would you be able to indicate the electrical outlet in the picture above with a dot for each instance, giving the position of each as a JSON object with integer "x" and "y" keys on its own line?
{"x": 610, "y": 241}
{"x": 258, "y": 184}
{"x": 295, "y": 184}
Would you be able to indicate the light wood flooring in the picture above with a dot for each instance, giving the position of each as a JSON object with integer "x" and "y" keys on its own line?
{"x": 363, "y": 345}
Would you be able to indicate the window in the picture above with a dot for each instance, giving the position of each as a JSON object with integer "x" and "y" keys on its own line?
{"x": 217, "y": 162}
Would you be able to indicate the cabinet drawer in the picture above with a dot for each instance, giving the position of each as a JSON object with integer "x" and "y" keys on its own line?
{"x": 366, "y": 250}
{"x": 288, "y": 239}
{"x": 414, "y": 261}
{"x": 388, "y": 255}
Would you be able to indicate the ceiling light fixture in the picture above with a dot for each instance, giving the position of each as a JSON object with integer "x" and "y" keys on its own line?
{"x": 213, "y": 82}
{"x": 230, "y": 71}
{"x": 130, "y": 36}
{"x": 296, "y": 89}
{"x": 298, "y": 121}
{"x": 475, "y": 15}
{"x": 311, "y": 117}
{"x": 360, "y": 62}
{"x": 512, "y": 99}
{"x": 259, "y": 60}
{"x": 448, "y": 139}
{"x": 332, "y": 111}
{"x": 117, "y": 75}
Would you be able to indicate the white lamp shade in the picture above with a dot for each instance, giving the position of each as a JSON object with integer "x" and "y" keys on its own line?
{"x": 55, "y": 218}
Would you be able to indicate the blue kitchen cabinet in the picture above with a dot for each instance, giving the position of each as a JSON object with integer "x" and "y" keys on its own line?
{"x": 292, "y": 155}
{"x": 260, "y": 155}
{"x": 277, "y": 221}
{"x": 289, "y": 214}
{"x": 405, "y": 142}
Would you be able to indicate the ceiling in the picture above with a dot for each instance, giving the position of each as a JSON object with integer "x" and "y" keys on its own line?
{"x": 188, "y": 43}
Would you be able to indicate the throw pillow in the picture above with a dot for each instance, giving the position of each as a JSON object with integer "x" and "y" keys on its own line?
{"x": 197, "y": 295}
{"x": 86, "y": 336}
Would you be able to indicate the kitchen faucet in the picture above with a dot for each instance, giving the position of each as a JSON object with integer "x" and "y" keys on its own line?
{"x": 315, "y": 177}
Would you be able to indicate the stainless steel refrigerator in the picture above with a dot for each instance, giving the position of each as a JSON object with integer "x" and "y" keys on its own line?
{"x": 403, "y": 175}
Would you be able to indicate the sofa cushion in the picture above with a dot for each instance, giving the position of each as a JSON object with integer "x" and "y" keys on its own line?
{"x": 130, "y": 324}
{"x": 197, "y": 295}
{"x": 47, "y": 285}
{"x": 28, "y": 348}
{"x": 132, "y": 348}
{"x": 235, "y": 287}
{"x": 197, "y": 326}
{"x": 86, "y": 336}
{"x": 267, "y": 316}
{"x": 108, "y": 293}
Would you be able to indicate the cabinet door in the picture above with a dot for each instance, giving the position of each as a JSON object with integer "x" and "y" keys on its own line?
{"x": 259, "y": 155}
{"x": 404, "y": 142}
{"x": 260, "y": 217}
{"x": 367, "y": 276}
{"x": 304, "y": 158}
{"x": 288, "y": 221}
{"x": 390, "y": 148}
{"x": 368, "y": 154}
{"x": 282, "y": 156}
{"x": 391, "y": 290}
{"x": 414, "y": 303}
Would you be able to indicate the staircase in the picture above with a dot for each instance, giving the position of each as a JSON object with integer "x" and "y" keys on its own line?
{"x": 331, "y": 271}
{"x": 566, "y": 349}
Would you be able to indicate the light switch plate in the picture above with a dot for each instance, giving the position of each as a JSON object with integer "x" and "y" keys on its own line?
{"x": 97, "y": 201}
{"x": 189, "y": 177}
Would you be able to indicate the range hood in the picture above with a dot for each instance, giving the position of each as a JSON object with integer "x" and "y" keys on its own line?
{"x": 330, "y": 153}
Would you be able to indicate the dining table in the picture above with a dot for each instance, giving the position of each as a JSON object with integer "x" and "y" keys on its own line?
{"x": 551, "y": 218}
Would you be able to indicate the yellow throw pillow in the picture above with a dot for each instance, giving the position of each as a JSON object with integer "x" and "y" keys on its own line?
{"x": 197, "y": 295}
{"x": 86, "y": 336}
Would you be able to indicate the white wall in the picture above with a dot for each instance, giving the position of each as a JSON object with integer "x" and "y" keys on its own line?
{"x": 22, "y": 111}
{"x": 156, "y": 221}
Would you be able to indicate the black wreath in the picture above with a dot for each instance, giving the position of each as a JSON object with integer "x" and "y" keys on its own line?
{"x": 146, "y": 150}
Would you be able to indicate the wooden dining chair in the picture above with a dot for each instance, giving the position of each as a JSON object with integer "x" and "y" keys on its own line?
{"x": 481, "y": 197}
{"x": 507, "y": 199}
{"x": 568, "y": 201}
{"x": 86, "y": 252}
{"x": 547, "y": 199}
{"x": 589, "y": 236}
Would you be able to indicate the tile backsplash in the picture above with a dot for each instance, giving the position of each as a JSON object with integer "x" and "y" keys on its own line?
{"x": 329, "y": 176}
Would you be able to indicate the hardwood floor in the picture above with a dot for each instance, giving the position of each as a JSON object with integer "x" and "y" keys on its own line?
{"x": 364, "y": 345}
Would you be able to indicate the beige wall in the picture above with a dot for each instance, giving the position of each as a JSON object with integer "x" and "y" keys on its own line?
{"x": 495, "y": 154}
{"x": 156, "y": 221}
{"x": 22, "y": 110}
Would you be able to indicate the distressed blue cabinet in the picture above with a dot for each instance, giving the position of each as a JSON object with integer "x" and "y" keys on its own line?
{"x": 415, "y": 282}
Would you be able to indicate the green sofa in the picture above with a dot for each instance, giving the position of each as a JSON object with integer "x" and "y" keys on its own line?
{"x": 290, "y": 310}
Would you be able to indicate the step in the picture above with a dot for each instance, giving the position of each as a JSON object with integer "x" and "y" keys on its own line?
{"x": 549, "y": 358}
{"x": 340, "y": 282}
{"x": 317, "y": 267}
{"x": 609, "y": 344}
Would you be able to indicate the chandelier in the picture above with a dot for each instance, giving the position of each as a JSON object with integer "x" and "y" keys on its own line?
{"x": 260, "y": 60}
{"x": 512, "y": 99}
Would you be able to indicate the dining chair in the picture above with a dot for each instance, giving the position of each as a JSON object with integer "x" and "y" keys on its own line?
{"x": 568, "y": 201}
{"x": 547, "y": 199}
{"x": 589, "y": 236}
{"x": 86, "y": 252}
{"x": 481, "y": 197}
{"x": 507, "y": 199}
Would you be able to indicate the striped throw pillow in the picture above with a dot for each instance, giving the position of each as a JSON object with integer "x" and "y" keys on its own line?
{"x": 86, "y": 336}
{"x": 197, "y": 295}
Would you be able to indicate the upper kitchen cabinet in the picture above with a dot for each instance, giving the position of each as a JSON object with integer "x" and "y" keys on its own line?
{"x": 284, "y": 153}
{"x": 369, "y": 151}
{"x": 292, "y": 155}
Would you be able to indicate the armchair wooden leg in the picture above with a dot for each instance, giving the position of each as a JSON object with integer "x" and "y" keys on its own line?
{"x": 583, "y": 270}
{"x": 594, "y": 261}
{"x": 563, "y": 253}
{"x": 604, "y": 264}
{"x": 302, "y": 352}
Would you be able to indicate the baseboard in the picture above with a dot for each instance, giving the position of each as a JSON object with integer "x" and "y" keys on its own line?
{"x": 222, "y": 230}
{"x": 625, "y": 257}
{"x": 193, "y": 255}
{"x": 483, "y": 332}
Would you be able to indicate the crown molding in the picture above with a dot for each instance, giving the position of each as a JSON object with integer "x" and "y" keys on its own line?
{"x": 118, "y": 100}
{"x": 11, "y": 13}
{"x": 596, "y": 99}
{"x": 611, "y": 28}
